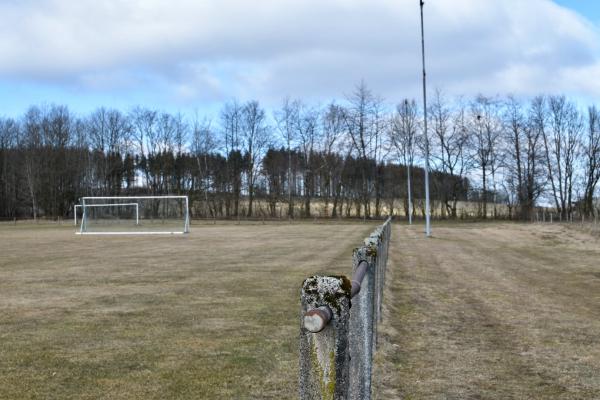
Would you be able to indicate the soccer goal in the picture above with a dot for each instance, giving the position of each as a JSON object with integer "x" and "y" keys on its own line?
{"x": 127, "y": 215}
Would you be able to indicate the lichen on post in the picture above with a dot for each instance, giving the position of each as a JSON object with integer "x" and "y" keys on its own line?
{"x": 324, "y": 357}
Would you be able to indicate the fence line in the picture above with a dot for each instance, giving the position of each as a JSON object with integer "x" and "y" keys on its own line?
{"x": 339, "y": 316}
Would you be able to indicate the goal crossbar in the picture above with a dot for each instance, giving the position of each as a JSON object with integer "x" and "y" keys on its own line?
{"x": 132, "y": 197}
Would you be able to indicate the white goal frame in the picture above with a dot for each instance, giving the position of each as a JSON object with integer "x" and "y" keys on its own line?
{"x": 186, "y": 228}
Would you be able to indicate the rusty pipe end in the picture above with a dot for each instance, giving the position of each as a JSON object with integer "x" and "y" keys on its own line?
{"x": 316, "y": 320}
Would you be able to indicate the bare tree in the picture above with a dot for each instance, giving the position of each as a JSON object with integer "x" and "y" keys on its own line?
{"x": 166, "y": 131}
{"x": 231, "y": 124}
{"x": 31, "y": 141}
{"x": 449, "y": 143}
{"x": 143, "y": 123}
{"x": 306, "y": 127}
{"x": 56, "y": 132}
{"x": 523, "y": 159}
{"x": 109, "y": 130}
{"x": 333, "y": 142}
{"x": 365, "y": 130}
{"x": 203, "y": 142}
{"x": 231, "y": 131}
{"x": 285, "y": 118}
{"x": 514, "y": 127}
{"x": 561, "y": 145}
{"x": 403, "y": 137}
{"x": 591, "y": 152}
{"x": 255, "y": 137}
{"x": 486, "y": 133}
{"x": 181, "y": 133}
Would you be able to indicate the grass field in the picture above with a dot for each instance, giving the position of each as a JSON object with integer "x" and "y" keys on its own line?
{"x": 210, "y": 315}
{"x": 492, "y": 312}
{"x": 480, "y": 311}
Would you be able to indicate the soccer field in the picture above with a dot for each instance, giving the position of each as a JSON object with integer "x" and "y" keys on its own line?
{"x": 209, "y": 315}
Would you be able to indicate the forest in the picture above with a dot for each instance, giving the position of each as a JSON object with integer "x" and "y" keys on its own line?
{"x": 357, "y": 157}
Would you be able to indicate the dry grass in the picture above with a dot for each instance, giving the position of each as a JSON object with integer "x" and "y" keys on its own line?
{"x": 480, "y": 311}
{"x": 492, "y": 312}
{"x": 212, "y": 315}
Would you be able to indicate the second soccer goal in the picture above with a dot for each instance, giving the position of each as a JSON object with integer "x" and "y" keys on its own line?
{"x": 113, "y": 215}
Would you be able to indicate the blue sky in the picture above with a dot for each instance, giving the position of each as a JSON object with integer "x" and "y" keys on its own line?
{"x": 186, "y": 55}
{"x": 588, "y": 8}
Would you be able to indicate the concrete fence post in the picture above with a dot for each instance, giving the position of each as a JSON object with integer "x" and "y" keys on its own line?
{"x": 363, "y": 326}
{"x": 324, "y": 356}
{"x": 337, "y": 342}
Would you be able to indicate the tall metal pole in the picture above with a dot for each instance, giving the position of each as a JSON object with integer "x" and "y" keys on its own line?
{"x": 290, "y": 205}
{"x": 410, "y": 161}
{"x": 410, "y": 206}
{"x": 427, "y": 208}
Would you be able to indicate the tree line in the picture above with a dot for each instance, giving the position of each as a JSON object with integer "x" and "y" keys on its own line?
{"x": 361, "y": 157}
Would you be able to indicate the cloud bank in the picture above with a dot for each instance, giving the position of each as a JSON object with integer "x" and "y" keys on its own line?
{"x": 199, "y": 52}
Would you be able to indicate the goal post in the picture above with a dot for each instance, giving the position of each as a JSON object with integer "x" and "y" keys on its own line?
{"x": 134, "y": 215}
{"x": 75, "y": 208}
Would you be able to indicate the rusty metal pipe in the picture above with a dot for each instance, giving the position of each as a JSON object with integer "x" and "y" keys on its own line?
{"x": 358, "y": 277}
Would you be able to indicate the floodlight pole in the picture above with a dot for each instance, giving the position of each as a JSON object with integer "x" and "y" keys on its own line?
{"x": 427, "y": 208}
{"x": 290, "y": 205}
{"x": 410, "y": 161}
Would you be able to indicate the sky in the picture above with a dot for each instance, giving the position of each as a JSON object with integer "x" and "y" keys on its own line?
{"x": 193, "y": 56}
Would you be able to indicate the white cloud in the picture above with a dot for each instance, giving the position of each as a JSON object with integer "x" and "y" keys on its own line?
{"x": 267, "y": 49}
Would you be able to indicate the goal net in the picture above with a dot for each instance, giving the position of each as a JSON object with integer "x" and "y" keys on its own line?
{"x": 133, "y": 215}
